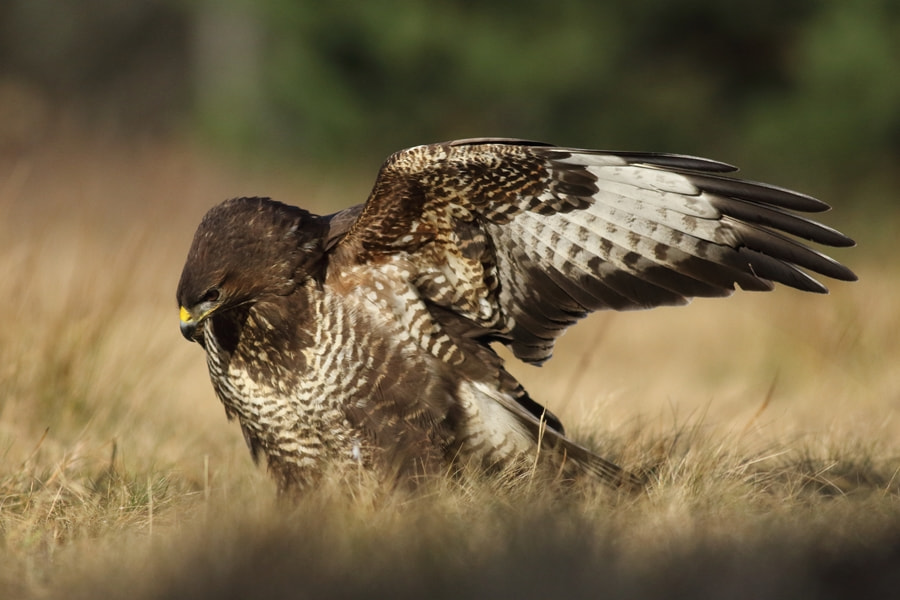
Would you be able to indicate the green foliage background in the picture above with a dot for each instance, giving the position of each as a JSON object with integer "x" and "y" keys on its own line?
{"x": 772, "y": 418}
{"x": 805, "y": 88}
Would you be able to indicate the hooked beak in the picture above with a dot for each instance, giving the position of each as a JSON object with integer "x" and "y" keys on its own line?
{"x": 188, "y": 324}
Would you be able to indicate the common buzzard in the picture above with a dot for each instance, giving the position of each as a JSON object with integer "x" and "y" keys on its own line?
{"x": 364, "y": 337}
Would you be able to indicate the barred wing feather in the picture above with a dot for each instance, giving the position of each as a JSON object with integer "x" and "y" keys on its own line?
{"x": 523, "y": 238}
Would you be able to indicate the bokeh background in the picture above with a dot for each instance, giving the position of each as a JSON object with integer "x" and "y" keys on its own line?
{"x": 775, "y": 415}
{"x": 802, "y": 88}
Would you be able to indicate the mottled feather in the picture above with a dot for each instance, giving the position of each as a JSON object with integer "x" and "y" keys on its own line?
{"x": 364, "y": 336}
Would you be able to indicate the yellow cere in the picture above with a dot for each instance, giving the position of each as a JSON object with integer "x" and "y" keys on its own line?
{"x": 185, "y": 315}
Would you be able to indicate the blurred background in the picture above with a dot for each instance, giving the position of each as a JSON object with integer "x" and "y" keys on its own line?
{"x": 122, "y": 122}
{"x": 801, "y": 91}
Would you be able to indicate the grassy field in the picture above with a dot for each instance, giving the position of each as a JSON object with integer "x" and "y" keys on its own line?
{"x": 769, "y": 422}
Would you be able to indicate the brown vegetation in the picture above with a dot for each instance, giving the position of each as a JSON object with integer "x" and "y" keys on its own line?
{"x": 767, "y": 424}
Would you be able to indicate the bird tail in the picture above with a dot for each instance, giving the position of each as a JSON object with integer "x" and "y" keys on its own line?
{"x": 571, "y": 459}
{"x": 575, "y": 460}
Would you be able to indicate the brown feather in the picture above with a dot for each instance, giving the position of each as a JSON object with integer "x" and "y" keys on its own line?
{"x": 363, "y": 338}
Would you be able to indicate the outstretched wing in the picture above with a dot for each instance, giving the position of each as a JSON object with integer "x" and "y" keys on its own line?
{"x": 522, "y": 238}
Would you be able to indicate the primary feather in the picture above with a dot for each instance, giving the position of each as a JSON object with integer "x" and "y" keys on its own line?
{"x": 364, "y": 337}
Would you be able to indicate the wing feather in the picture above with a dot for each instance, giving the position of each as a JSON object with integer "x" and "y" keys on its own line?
{"x": 560, "y": 232}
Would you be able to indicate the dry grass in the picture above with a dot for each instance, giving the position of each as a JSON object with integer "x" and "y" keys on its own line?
{"x": 768, "y": 424}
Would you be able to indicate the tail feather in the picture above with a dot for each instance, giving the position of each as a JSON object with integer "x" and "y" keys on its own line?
{"x": 547, "y": 431}
{"x": 577, "y": 459}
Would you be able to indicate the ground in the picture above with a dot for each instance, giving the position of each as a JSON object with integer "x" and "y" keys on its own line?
{"x": 767, "y": 425}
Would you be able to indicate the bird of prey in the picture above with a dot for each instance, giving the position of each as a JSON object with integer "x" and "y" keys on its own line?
{"x": 364, "y": 337}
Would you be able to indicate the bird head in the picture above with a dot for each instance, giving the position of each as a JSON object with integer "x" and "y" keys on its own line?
{"x": 244, "y": 250}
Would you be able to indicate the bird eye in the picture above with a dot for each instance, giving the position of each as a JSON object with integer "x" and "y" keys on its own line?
{"x": 211, "y": 295}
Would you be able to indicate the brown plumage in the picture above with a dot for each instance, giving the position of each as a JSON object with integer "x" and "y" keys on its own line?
{"x": 364, "y": 337}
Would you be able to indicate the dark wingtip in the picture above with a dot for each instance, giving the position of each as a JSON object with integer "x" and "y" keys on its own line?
{"x": 846, "y": 242}
{"x": 851, "y": 276}
{"x": 682, "y": 162}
